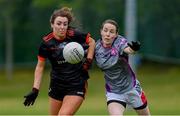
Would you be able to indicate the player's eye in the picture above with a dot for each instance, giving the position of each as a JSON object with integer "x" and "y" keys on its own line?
{"x": 105, "y": 30}
{"x": 59, "y": 23}
{"x": 112, "y": 31}
{"x": 65, "y": 24}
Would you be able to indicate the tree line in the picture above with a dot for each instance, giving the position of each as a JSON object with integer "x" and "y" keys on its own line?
{"x": 26, "y": 21}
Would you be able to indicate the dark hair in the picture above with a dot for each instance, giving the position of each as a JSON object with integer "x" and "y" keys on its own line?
{"x": 63, "y": 12}
{"x": 111, "y": 22}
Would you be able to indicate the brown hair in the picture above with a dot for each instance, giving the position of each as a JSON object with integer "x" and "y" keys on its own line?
{"x": 111, "y": 22}
{"x": 63, "y": 12}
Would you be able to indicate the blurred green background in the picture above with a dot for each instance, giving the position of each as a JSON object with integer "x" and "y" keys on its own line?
{"x": 24, "y": 22}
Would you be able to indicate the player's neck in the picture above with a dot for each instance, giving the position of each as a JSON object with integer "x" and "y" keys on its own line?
{"x": 59, "y": 37}
{"x": 107, "y": 45}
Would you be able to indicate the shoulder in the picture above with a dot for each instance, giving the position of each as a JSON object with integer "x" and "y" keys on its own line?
{"x": 78, "y": 35}
{"x": 47, "y": 40}
{"x": 72, "y": 32}
{"x": 98, "y": 46}
{"x": 48, "y": 37}
{"x": 120, "y": 40}
{"x": 98, "y": 43}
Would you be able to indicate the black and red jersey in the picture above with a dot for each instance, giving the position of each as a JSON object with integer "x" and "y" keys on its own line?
{"x": 51, "y": 48}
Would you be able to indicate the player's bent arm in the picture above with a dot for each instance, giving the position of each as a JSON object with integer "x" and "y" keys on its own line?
{"x": 38, "y": 74}
{"x": 91, "y": 48}
{"x": 128, "y": 50}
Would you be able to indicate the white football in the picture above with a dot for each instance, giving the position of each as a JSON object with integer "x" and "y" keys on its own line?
{"x": 73, "y": 53}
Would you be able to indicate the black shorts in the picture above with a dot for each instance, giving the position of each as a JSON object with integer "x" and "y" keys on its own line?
{"x": 59, "y": 92}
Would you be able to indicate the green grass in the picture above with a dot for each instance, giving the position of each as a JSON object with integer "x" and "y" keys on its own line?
{"x": 160, "y": 83}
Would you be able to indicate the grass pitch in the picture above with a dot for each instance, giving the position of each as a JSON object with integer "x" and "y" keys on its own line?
{"x": 160, "y": 83}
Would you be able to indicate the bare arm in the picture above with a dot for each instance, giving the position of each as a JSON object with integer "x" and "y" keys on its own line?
{"x": 128, "y": 50}
{"x": 90, "y": 54}
{"x": 38, "y": 74}
{"x": 91, "y": 48}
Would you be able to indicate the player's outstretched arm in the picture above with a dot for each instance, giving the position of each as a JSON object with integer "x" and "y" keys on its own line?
{"x": 31, "y": 96}
{"x": 91, "y": 48}
{"x": 38, "y": 73}
{"x": 90, "y": 54}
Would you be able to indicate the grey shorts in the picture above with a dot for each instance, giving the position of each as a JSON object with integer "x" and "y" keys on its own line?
{"x": 132, "y": 98}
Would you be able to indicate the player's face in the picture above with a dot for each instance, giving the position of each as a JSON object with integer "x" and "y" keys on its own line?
{"x": 108, "y": 34}
{"x": 60, "y": 26}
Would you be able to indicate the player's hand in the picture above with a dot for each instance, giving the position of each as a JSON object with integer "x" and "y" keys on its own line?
{"x": 87, "y": 64}
{"x": 31, "y": 97}
{"x": 135, "y": 45}
{"x": 85, "y": 46}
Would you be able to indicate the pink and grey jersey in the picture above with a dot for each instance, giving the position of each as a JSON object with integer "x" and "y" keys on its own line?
{"x": 113, "y": 62}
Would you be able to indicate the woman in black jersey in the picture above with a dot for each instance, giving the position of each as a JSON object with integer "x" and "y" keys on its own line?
{"x": 68, "y": 81}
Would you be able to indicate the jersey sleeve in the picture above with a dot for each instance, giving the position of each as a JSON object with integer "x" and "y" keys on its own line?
{"x": 43, "y": 53}
{"x": 123, "y": 44}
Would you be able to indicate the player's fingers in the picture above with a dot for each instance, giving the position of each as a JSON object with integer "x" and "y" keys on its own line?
{"x": 28, "y": 103}
{"x": 25, "y": 103}
{"x": 129, "y": 44}
{"x": 86, "y": 47}
{"x": 32, "y": 102}
{"x": 134, "y": 42}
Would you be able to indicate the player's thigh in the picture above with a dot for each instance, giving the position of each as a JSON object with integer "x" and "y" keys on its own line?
{"x": 55, "y": 106}
{"x": 116, "y": 103}
{"x": 116, "y": 108}
{"x": 144, "y": 111}
{"x": 71, "y": 104}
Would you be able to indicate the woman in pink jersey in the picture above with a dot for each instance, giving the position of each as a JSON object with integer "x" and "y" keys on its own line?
{"x": 122, "y": 86}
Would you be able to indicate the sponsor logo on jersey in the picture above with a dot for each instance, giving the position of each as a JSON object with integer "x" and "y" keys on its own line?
{"x": 61, "y": 61}
{"x": 80, "y": 93}
{"x": 114, "y": 51}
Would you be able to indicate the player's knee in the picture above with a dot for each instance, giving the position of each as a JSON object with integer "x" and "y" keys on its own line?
{"x": 66, "y": 112}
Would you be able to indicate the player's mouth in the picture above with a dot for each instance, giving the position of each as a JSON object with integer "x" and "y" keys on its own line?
{"x": 62, "y": 32}
{"x": 107, "y": 39}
